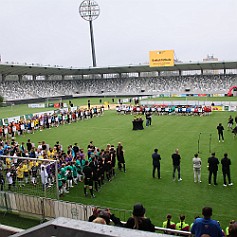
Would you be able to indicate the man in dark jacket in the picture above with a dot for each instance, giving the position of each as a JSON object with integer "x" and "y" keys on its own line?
{"x": 176, "y": 164}
{"x": 156, "y": 163}
{"x": 213, "y": 163}
{"x": 220, "y": 130}
{"x": 226, "y": 169}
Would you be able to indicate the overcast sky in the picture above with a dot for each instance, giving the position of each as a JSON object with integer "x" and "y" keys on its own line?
{"x": 52, "y": 31}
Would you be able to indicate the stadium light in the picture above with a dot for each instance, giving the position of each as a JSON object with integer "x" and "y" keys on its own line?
{"x": 89, "y": 10}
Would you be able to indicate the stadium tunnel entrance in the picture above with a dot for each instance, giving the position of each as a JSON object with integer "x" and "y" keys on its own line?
{"x": 232, "y": 91}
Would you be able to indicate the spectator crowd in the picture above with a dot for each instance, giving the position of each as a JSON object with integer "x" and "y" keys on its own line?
{"x": 201, "y": 226}
{"x": 94, "y": 167}
{"x": 31, "y": 89}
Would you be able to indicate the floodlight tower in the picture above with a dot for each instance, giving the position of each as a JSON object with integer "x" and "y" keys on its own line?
{"x": 89, "y": 10}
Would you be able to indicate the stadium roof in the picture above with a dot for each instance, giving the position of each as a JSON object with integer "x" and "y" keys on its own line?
{"x": 35, "y": 70}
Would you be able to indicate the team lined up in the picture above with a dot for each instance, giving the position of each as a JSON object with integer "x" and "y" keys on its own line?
{"x": 47, "y": 120}
{"x": 74, "y": 165}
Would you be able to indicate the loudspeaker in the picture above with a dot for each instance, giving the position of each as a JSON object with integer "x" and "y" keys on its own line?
{"x": 142, "y": 90}
{"x": 187, "y": 89}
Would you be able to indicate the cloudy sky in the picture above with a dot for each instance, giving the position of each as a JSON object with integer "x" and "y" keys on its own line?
{"x": 51, "y": 32}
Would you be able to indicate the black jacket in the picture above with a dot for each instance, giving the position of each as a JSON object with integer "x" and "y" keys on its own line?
{"x": 145, "y": 224}
{"x": 213, "y": 163}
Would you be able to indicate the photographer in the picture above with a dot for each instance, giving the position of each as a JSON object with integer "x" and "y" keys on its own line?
{"x": 106, "y": 215}
{"x": 137, "y": 221}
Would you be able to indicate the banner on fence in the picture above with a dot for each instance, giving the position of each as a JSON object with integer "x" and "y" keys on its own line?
{"x": 36, "y": 105}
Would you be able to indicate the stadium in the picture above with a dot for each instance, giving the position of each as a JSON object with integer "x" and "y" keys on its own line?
{"x": 94, "y": 109}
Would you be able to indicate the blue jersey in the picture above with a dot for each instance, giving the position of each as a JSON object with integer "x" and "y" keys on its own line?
{"x": 206, "y": 226}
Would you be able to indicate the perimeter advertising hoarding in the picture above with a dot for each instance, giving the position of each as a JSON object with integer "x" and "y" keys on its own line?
{"x": 161, "y": 58}
{"x": 217, "y": 108}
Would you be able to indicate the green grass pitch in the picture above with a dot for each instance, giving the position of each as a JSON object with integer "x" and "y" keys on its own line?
{"x": 137, "y": 185}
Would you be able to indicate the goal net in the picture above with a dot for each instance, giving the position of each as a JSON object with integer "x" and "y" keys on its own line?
{"x": 32, "y": 176}
{"x": 54, "y": 102}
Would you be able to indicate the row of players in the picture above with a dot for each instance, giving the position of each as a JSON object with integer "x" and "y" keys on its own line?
{"x": 47, "y": 120}
{"x": 72, "y": 167}
{"x": 165, "y": 109}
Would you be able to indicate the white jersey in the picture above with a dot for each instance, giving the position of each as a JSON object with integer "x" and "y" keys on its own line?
{"x": 9, "y": 178}
{"x": 197, "y": 163}
{"x": 44, "y": 176}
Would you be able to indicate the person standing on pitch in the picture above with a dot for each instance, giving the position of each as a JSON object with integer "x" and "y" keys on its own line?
{"x": 88, "y": 179}
{"x": 226, "y": 169}
{"x": 156, "y": 163}
{"x": 176, "y": 164}
{"x": 230, "y": 123}
{"x": 197, "y": 162}
{"x": 120, "y": 157}
{"x": 213, "y": 163}
{"x": 220, "y": 130}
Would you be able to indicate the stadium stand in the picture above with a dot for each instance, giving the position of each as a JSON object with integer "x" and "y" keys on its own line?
{"x": 17, "y": 90}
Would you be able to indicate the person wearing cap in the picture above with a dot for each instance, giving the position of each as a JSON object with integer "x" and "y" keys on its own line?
{"x": 138, "y": 220}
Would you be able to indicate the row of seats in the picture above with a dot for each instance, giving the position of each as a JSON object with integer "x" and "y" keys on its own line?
{"x": 12, "y": 90}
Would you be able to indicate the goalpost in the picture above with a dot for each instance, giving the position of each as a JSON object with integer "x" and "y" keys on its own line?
{"x": 50, "y": 101}
{"x": 33, "y": 181}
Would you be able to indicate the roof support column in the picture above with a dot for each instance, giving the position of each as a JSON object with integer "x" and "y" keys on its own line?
{"x": 3, "y": 77}
{"x": 20, "y": 78}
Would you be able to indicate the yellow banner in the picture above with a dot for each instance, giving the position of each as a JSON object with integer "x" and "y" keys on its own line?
{"x": 217, "y": 108}
{"x": 161, "y": 58}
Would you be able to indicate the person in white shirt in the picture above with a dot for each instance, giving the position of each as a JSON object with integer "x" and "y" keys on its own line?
{"x": 44, "y": 177}
{"x": 197, "y": 163}
{"x": 9, "y": 179}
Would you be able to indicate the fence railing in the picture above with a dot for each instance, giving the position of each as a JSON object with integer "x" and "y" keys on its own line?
{"x": 49, "y": 208}
{"x": 46, "y": 208}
